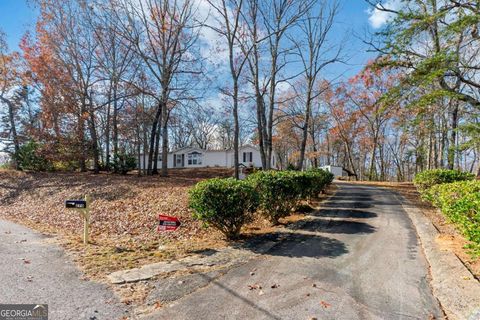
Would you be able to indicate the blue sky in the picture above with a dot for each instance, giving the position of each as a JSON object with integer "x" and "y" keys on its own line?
{"x": 17, "y": 16}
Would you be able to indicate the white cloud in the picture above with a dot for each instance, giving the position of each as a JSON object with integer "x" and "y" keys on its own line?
{"x": 379, "y": 18}
{"x": 213, "y": 47}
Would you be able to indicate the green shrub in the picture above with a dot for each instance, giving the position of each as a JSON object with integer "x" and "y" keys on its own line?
{"x": 29, "y": 158}
{"x": 320, "y": 179}
{"x": 428, "y": 178}
{"x": 281, "y": 191}
{"x": 445, "y": 194}
{"x": 123, "y": 162}
{"x": 278, "y": 192}
{"x": 226, "y": 204}
{"x": 66, "y": 165}
{"x": 460, "y": 203}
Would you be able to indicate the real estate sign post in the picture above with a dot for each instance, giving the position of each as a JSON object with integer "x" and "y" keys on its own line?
{"x": 167, "y": 223}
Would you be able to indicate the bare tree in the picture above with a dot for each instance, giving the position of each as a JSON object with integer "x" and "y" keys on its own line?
{"x": 116, "y": 66}
{"x": 68, "y": 32}
{"x": 162, "y": 33}
{"x": 279, "y": 17}
{"x": 228, "y": 14}
{"x": 316, "y": 52}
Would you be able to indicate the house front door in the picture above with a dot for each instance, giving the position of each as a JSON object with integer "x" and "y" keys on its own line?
{"x": 179, "y": 160}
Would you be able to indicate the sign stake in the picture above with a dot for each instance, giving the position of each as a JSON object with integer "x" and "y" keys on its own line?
{"x": 86, "y": 219}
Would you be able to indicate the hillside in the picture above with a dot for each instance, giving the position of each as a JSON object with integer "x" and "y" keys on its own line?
{"x": 124, "y": 213}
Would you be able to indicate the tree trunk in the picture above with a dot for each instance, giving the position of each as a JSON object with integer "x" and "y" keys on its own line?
{"x": 453, "y": 137}
{"x": 157, "y": 147}
{"x": 236, "y": 128}
{"x": 153, "y": 135}
{"x": 139, "y": 143}
{"x": 115, "y": 121}
{"x": 107, "y": 139}
{"x": 303, "y": 145}
{"x": 13, "y": 128}
{"x": 371, "y": 171}
{"x": 314, "y": 146}
{"x": 94, "y": 137}
{"x": 350, "y": 159}
{"x": 164, "y": 141}
{"x": 81, "y": 137}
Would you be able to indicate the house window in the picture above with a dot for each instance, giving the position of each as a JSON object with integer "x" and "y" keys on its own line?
{"x": 194, "y": 158}
{"x": 248, "y": 157}
{"x": 179, "y": 160}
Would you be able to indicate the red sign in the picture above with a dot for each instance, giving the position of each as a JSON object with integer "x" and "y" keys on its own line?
{"x": 167, "y": 223}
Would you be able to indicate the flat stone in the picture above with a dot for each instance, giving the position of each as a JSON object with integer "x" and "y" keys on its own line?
{"x": 222, "y": 258}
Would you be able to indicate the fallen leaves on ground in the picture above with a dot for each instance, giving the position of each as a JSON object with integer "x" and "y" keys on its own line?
{"x": 124, "y": 213}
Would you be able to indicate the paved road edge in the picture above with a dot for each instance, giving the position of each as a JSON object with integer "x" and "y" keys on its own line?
{"x": 452, "y": 283}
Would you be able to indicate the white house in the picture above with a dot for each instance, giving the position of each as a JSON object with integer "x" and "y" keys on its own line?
{"x": 192, "y": 157}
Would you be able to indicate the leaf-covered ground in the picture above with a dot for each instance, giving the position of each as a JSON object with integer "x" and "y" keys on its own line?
{"x": 124, "y": 214}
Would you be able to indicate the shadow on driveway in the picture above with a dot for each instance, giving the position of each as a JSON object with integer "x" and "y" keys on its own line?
{"x": 350, "y": 204}
{"x": 346, "y": 213}
{"x": 298, "y": 245}
{"x": 338, "y": 226}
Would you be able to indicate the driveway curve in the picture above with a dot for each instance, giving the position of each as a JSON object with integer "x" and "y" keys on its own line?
{"x": 356, "y": 258}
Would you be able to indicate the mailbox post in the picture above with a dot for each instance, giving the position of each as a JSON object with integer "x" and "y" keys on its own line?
{"x": 86, "y": 219}
{"x": 83, "y": 206}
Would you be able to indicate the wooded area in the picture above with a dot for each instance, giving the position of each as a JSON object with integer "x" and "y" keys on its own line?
{"x": 102, "y": 80}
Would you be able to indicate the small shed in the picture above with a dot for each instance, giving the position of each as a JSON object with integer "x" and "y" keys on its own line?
{"x": 340, "y": 172}
{"x": 337, "y": 171}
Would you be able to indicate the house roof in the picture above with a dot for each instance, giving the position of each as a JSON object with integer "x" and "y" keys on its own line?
{"x": 210, "y": 150}
{"x": 207, "y": 150}
{"x": 185, "y": 148}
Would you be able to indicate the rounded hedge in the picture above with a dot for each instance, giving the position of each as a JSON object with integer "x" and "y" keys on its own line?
{"x": 429, "y": 178}
{"x": 278, "y": 192}
{"x": 281, "y": 191}
{"x": 226, "y": 204}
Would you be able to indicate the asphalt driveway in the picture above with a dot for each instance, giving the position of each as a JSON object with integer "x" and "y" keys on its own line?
{"x": 357, "y": 258}
{"x": 33, "y": 270}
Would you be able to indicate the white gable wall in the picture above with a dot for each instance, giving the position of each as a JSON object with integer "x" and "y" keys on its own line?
{"x": 215, "y": 159}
